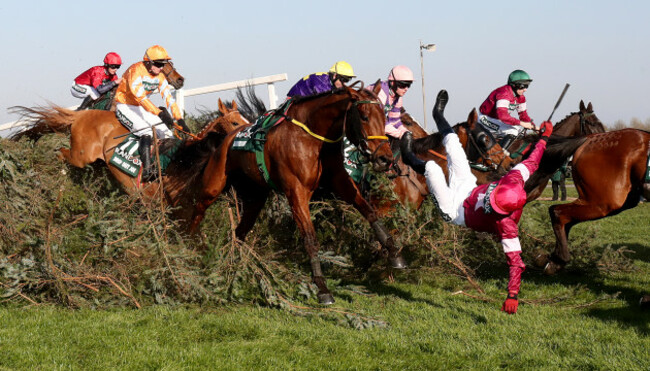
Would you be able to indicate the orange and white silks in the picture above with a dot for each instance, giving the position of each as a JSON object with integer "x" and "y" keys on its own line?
{"x": 137, "y": 84}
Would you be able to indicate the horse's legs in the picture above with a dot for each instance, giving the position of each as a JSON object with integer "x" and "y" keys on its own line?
{"x": 252, "y": 204}
{"x": 563, "y": 218}
{"x": 212, "y": 183}
{"x": 299, "y": 200}
{"x": 345, "y": 188}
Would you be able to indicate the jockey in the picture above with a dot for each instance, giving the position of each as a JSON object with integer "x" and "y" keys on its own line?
{"x": 134, "y": 109}
{"x": 97, "y": 80}
{"x": 391, "y": 96}
{"x": 340, "y": 74}
{"x": 495, "y": 207}
{"x": 495, "y": 111}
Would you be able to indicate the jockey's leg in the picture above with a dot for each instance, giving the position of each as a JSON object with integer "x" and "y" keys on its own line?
{"x": 145, "y": 157}
{"x": 409, "y": 158}
{"x": 85, "y": 104}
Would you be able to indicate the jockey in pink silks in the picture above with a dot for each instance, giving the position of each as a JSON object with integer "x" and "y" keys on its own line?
{"x": 495, "y": 207}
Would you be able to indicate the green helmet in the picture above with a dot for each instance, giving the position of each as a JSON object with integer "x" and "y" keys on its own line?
{"x": 519, "y": 77}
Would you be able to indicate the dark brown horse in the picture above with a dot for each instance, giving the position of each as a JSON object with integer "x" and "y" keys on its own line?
{"x": 301, "y": 155}
{"x": 411, "y": 188}
{"x": 609, "y": 171}
{"x": 94, "y": 135}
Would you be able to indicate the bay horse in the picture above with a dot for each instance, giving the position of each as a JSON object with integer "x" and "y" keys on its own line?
{"x": 609, "y": 173}
{"x": 94, "y": 135}
{"x": 482, "y": 150}
{"x": 302, "y": 154}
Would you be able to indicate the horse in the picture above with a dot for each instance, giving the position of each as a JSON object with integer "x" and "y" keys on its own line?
{"x": 574, "y": 125}
{"x": 489, "y": 160}
{"x": 623, "y": 156}
{"x": 301, "y": 154}
{"x": 94, "y": 135}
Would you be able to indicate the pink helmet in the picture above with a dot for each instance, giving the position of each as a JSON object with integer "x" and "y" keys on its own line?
{"x": 508, "y": 196}
{"x": 400, "y": 73}
{"x": 112, "y": 58}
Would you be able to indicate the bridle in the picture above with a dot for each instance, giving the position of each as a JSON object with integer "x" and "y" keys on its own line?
{"x": 363, "y": 139}
{"x": 484, "y": 155}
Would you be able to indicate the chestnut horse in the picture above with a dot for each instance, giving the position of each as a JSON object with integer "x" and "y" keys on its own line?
{"x": 301, "y": 154}
{"x": 609, "y": 173}
{"x": 94, "y": 134}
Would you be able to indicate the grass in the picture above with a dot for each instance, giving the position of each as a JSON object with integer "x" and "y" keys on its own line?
{"x": 580, "y": 319}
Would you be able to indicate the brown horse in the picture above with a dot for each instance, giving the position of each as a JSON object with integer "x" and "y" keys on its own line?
{"x": 575, "y": 125}
{"x": 301, "y": 155}
{"x": 411, "y": 188}
{"x": 609, "y": 171}
{"x": 94, "y": 134}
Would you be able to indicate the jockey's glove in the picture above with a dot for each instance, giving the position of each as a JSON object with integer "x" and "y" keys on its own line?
{"x": 546, "y": 128}
{"x": 166, "y": 118}
{"x": 511, "y": 304}
{"x": 183, "y": 125}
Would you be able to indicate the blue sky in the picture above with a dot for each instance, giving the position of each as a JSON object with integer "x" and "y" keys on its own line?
{"x": 602, "y": 48}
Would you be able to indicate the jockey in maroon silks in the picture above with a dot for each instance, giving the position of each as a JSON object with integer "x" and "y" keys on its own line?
{"x": 340, "y": 74}
{"x": 495, "y": 207}
{"x": 95, "y": 81}
{"x": 495, "y": 112}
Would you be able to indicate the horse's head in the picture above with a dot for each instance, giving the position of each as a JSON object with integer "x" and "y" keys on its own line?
{"x": 228, "y": 119}
{"x": 366, "y": 127}
{"x": 172, "y": 75}
{"x": 412, "y": 124}
{"x": 581, "y": 123}
{"x": 481, "y": 147}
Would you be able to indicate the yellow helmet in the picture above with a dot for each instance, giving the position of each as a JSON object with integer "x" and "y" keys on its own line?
{"x": 156, "y": 53}
{"x": 343, "y": 68}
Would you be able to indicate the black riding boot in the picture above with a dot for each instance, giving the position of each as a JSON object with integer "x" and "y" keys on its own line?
{"x": 439, "y": 113}
{"x": 145, "y": 157}
{"x": 409, "y": 158}
{"x": 85, "y": 104}
{"x": 506, "y": 142}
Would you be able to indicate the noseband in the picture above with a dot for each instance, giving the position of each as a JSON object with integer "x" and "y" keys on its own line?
{"x": 483, "y": 154}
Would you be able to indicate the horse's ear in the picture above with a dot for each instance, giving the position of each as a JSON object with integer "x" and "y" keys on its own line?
{"x": 472, "y": 118}
{"x": 234, "y": 105}
{"x": 377, "y": 87}
{"x": 590, "y": 108}
{"x": 221, "y": 106}
{"x": 582, "y": 106}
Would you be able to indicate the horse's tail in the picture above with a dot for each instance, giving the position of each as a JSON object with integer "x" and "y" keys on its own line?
{"x": 43, "y": 120}
{"x": 558, "y": 150}
{"x": 249, "y": 104}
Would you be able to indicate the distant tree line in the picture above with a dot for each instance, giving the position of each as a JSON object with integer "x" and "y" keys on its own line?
{"x": 634, "y": 123}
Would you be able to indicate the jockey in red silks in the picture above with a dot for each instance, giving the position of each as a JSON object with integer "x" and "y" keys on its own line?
{"x": 340, "y": 74}
{"x": 391, "y": 96}
{"x": 495, "y": 207}
{"x": 495, "y": 112}
{"x": 97, "y": 80}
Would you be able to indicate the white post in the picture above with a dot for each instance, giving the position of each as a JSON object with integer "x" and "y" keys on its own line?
{"x": 273, "y": 99}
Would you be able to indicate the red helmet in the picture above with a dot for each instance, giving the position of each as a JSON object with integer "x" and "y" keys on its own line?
{"x": 112, "y": 58}
{"x": 508, "y": 196}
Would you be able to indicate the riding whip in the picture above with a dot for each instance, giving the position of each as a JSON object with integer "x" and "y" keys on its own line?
{"x": 566, "y": 87}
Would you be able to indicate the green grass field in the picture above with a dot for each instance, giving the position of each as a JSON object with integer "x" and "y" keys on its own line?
{"x": 424, "y": 318}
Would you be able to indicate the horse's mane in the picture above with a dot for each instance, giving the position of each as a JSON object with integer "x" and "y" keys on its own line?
{"x": 249, "y": 104}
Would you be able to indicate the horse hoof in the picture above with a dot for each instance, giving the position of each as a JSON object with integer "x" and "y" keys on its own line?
{"x": 645, "y": 302}
{"x": 326, "y": 299}
{"x": 551, "y": 268}
{"x": 398, "y": 262}
{"x": 541, "y": 260}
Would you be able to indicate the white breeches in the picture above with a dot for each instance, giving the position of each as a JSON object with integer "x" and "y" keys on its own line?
{"x": 82, "y": 91}
{"x": 140, "y": 121}
{"x": 498, "y": 127}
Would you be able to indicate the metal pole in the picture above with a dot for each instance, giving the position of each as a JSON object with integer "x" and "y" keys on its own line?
{"x": 424, "y": 105}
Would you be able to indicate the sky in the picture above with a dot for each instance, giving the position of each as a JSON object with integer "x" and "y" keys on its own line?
{"x": 601, "y": 48}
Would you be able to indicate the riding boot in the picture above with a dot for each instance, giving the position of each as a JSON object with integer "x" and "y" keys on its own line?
{"x": 145, "y": 157}
{"x": 506, "y": 142}
{"x": 86, "y": 103}
{"x": 409, "y": 158}
{"x": 439, "y": 113}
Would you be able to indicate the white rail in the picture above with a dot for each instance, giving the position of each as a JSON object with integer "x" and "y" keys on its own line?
{"x": 182, "y": 93}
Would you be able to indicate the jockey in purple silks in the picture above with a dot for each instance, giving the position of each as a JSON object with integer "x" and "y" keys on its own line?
{"x": 340, "y": 74}
{"x": 495, "y": 112}
{"x": 495, "y": 207}
{"x": 391, "y": 96}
